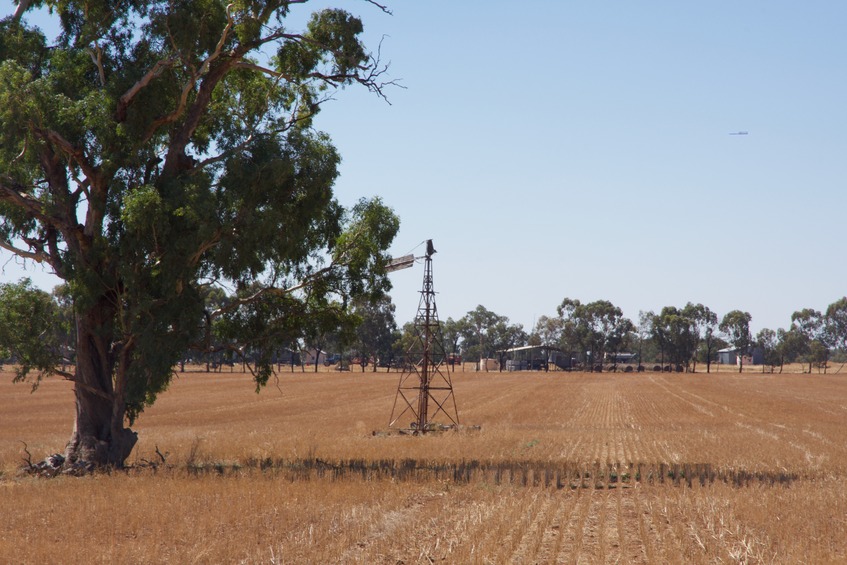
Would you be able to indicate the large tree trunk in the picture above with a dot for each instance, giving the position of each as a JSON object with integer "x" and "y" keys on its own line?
{"x": 99, "y": 437}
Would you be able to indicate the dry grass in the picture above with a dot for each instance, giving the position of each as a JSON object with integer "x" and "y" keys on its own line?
{"x": 541, "y": 435}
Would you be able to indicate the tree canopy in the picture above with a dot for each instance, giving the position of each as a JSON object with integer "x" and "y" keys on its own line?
{"x": 736, "y": 326}
{"x": 486, "y": 334}
{"x": 594, "y": 328}
{"x": 157, "y": 149}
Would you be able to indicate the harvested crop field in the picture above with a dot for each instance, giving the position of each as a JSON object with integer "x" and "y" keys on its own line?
{"x": 565, "y": 468}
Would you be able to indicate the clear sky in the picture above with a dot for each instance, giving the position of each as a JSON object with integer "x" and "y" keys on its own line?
{"x": 582, "y": 149}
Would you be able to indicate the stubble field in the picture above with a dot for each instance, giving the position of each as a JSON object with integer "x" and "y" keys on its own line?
{"x": 565, "y": 468}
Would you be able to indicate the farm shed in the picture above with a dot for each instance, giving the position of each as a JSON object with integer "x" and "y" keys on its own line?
{"x": 536, "y": 357}
{"x": 729, "y": 356}
{"x": 311, "y": 356}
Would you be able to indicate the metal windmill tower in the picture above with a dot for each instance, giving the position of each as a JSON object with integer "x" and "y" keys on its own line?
{"x": 425, "y": 392}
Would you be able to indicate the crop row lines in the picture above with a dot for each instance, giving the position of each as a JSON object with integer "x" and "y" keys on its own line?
{"x": 573, "y": 474}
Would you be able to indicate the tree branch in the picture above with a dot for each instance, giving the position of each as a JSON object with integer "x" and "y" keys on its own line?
{"x": 95, "y": 391}
{"x": 295, "y": 117}
{"x": 23, "y": 5}
{"x": 14, "y": 192}
{"x": 183, "y": 100}
{"x": 204, "y": 247}
{"x": 126, "y": 100}
{"x": 57, "y": 181}
{"x": 38, "y": 256}
{"x": 74, "y": 153}
{"x": 381, "y": 7}
{"x": 96, "y": 55}
{"x": 307, "y": 281}
{"x": 204, "y": 68}
{"x": 261, "y": 69}
{"x": 239, "y": 302}
{"x": 20, "y": 155}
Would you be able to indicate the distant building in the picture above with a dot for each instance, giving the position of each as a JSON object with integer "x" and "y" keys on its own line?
{"x": 729, "y": 356}
{"x": 537, "y": 357}
{"x": 310, "y": 356}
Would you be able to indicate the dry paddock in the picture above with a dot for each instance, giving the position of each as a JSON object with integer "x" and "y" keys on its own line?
{"x": 565, "y": 468}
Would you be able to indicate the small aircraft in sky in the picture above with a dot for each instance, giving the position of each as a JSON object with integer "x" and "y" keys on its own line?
{"x": 738, "y": 133}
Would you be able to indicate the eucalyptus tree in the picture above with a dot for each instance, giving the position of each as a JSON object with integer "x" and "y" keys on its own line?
{"x": 707, "y": 327}
{"x": 659, "y": 335}
{"x": 836, "y": 320}
{"x": 596, "y": 327}
{"x": 620, "y": 336}
{"x": 768, "y": 340}
{"x": 329, "y": 328}
{"x": 704, "y": 324}
{"x": 812, "y": 326}
{"x": 158, "y": 148}
{"x": 375, "y": 328}
{"x": 451, "y": 332}
{"x": 575, "y": 334}
{"x": 681, "y": 331}
{"x": 410, "y": 343}
{"x": 28, "y": 322}
{"x": 677, "y": 331}
{"x": 790, "y": 345}
{"x": 548, "y": 331}
{"x": 504, "y": 336}
{"x": 736, "y": 326}
{"x": 644, "y": 332}
{"x": 478, "y": 329}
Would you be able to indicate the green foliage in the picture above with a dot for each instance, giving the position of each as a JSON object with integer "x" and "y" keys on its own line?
{"x": 259, "y": 328}
{"x": 814, "y": 336}
{"x": 332, "y": 39}
{"x": 594, "y": 328}
{"x": 836, "y": 321}
{"x": 451, "y": 332}
{"x": 484, "y": 333}
{"x": 153, "y": 153}
{"x": 28, "y": 317}
{"x": 735, "y": 325}
{"x": 790, "y": 345}
{"x": 376, "y": 328}
{"x": 363, "y": 247}
{"x": 27, "y": 48}
{"x": 679, "y": 332}
{"x": 767, "y": 339}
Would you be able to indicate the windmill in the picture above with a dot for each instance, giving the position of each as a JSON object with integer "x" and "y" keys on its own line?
{"x": 425, "y": 392}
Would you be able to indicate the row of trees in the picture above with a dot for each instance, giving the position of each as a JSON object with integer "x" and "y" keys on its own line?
{"x": 595, "y": 331}
{"x": 684, "y": 336}
{"x": 365, "y": 332}
{"x": 368, "y": 334}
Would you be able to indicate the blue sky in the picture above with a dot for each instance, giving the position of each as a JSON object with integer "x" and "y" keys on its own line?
{"x": 581, "y": 149}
